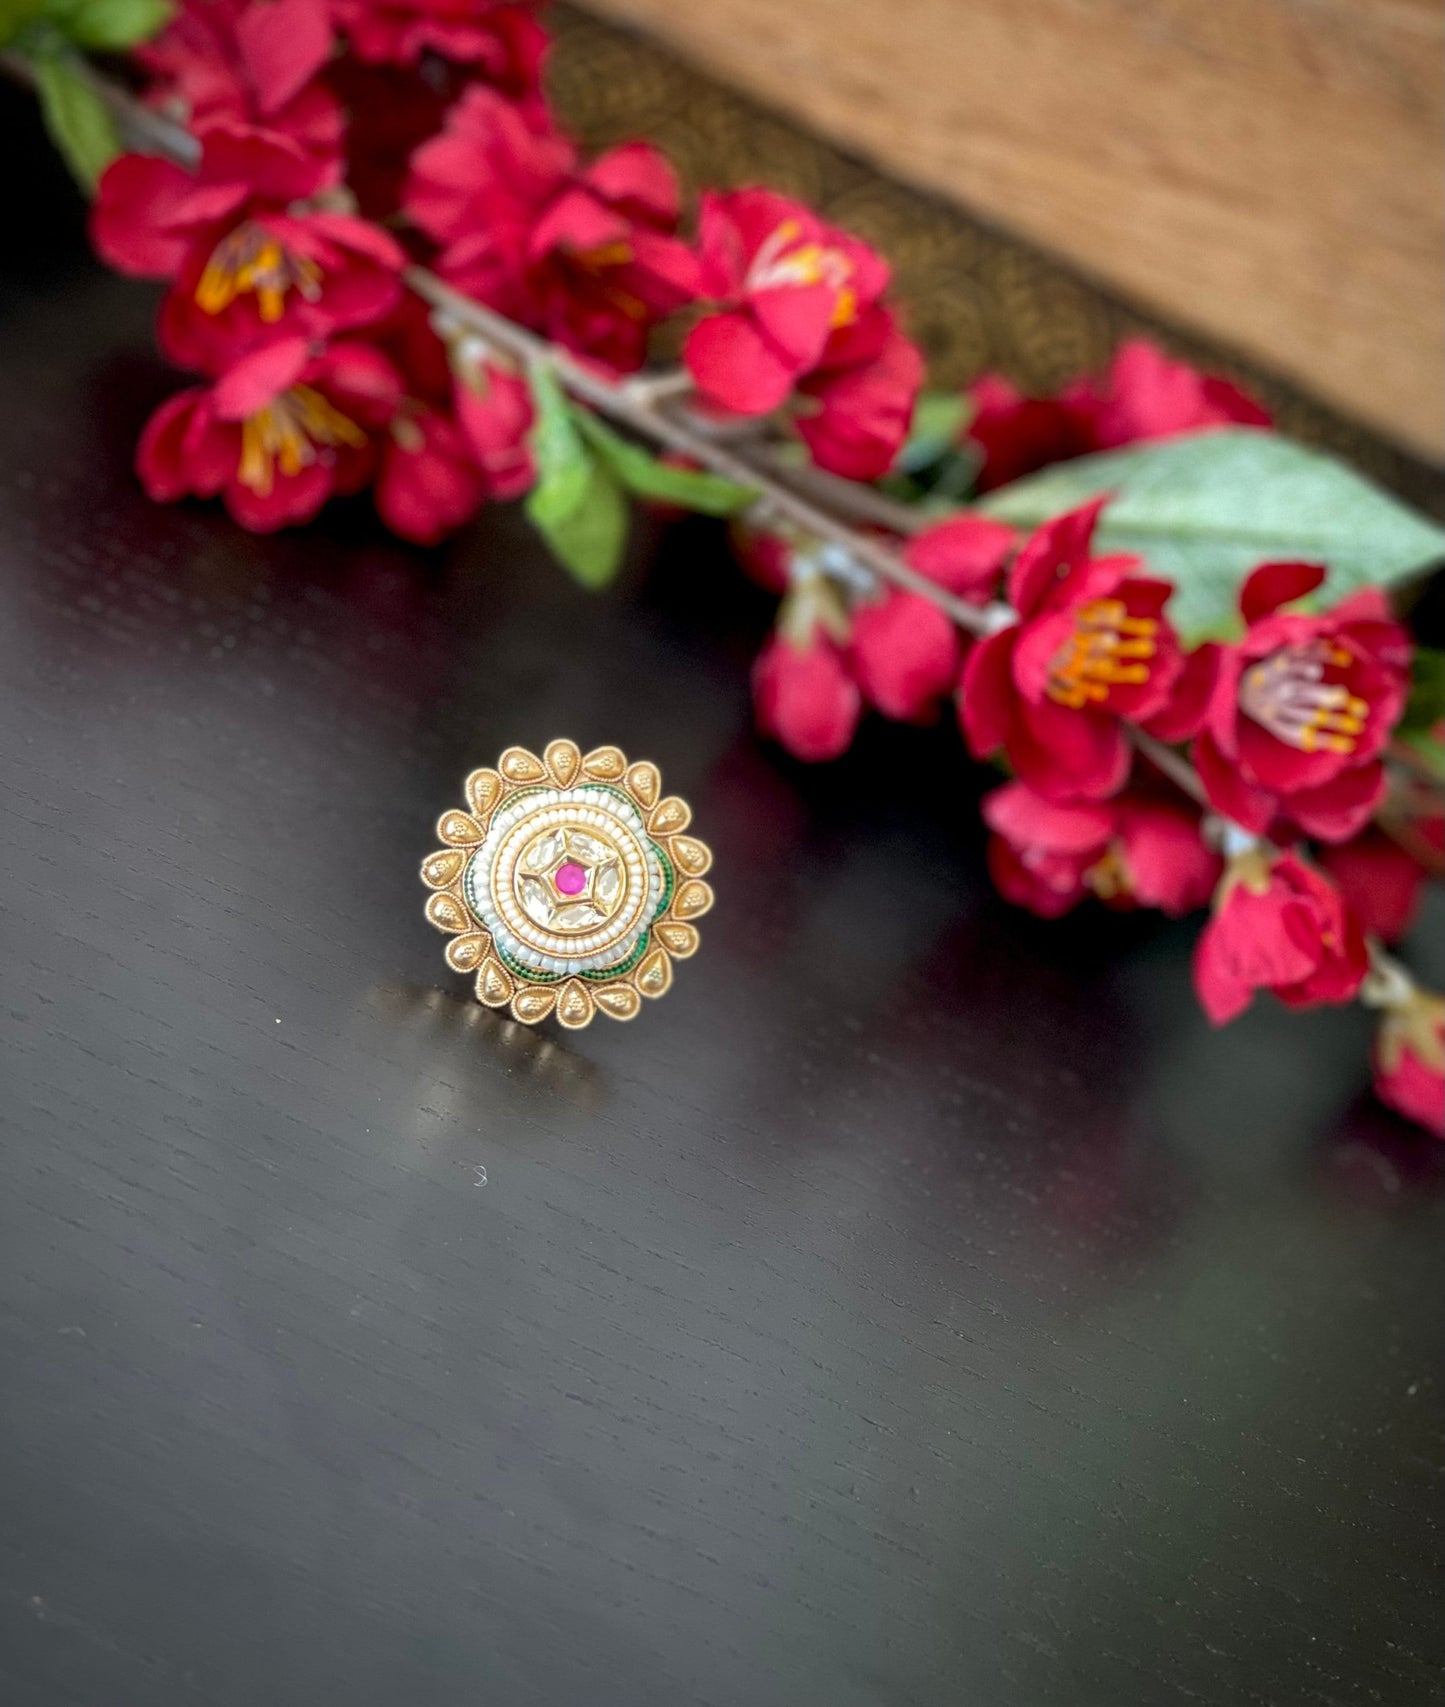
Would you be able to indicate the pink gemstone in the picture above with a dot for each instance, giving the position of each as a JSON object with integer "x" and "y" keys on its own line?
{"x": 571, "y": 879}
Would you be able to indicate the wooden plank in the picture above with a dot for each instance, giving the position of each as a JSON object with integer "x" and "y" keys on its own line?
{"x": 1264, "y": 171}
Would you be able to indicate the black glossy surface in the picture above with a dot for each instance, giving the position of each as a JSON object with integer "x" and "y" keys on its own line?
{"x": 920, "y": 1306}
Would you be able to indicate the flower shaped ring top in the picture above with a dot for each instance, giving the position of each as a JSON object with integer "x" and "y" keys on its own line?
{"x": 568, "y": 885}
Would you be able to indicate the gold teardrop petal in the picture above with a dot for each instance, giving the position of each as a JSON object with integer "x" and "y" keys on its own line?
{"x": 644, "y": 782}
{"x": 518, "y": 765}
{"x": 619, "y": 1000}
{"x": 655, "y": 974}
{"x": 533, "y": 1002}
{"x": 464, "y": 952}
{"x": 564, "y": 760}
{"x": 448, "y": 914}
{"x": 669, "y": 816}
{"x": 679, "y": 940}
{"x": 460, "y": 829}
{"x": 440, "y": 869}
{"x": 494, "y": 983}
{"x": 574, "y": 1005}
{"x": 690, "y": 856}
{"x": 692, "y": 900}
{"x": 484, "y": 790}
{"x": 605, "y": 763}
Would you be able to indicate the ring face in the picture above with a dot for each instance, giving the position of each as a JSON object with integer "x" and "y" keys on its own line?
{"x": 568, "y": 884}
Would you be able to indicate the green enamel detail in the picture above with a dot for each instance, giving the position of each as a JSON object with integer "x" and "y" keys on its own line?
{"x": 520, "y": 970}
{"x": 598, "y": 974}
{"x": 669, "y": 879}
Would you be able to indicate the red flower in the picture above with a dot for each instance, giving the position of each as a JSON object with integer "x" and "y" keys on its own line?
{"x": 502, "y": 40}
{"x": 428, "y": 483}
{"x": 1379, "y": 880}
{"x": 905, "y": 655}
{"x": 787, "y": 285}
{"x": 584, "y": 255}
{"x": 803, "y": 692}
{"x": 858, "y": 402}
{"x": 1016, "y": 435}
{"x": 1302, "y": 708}
{"x": 1137, "y": 850}
{"x": 1278, "y": 925}
{"x": 494, "y": 412}
{"x": 1146, "y": 395}
{"x": 800, "y": 315}
{"x": 1090, "y": 646}
{"x": 1142, "y": 395}
{"x": 805, "y": 698}
{"x": 965, "y": 554}
{"x": 248, "y": 265}
{"x": 455, "y": 377}
{"x": 249, "y": 63}
{"x": 1409, "y": 1060}
{"x": 276, "y": 435}
{"x": 763, "y": 557}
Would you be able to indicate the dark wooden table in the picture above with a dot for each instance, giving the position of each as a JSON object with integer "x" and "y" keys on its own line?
{"x": 921, "y": 1306}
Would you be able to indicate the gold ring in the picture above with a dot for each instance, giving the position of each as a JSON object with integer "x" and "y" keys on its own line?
{"x": 567, "y": 884}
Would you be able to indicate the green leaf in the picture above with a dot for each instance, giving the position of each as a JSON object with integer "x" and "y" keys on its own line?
{"x": 1205, "y": 509}
{"x": 642, "y": 473}
{"x": 107, "y": 26}
{"x": 939, "y": 417}
{"x": 1426, "y": 704}
{"x": 17, "y": 16}
{"x": 78, "y": 120}
{"x": 576, "y": 505}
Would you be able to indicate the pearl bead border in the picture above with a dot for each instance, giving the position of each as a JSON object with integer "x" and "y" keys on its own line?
{"x": 596, "y": 807}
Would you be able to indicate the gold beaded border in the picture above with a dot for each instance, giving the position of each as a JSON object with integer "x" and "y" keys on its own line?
{"x": 576, "y": 1001}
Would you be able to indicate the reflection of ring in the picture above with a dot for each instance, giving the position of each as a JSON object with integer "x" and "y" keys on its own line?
{"x": 568, "y": 885}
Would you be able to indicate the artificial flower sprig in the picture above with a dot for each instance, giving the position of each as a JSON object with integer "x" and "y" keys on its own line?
{"x": 389, "y": 266}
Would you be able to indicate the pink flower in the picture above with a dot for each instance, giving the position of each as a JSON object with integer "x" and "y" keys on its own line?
{"x": 1146, "y": 395}
{"x": 786, "y": 284}
{"x": 249, "y": 263}
{"x": 805, "y": 698}
{"x": 249, "y": 63}
{"x": 1143, "y": 394}
{"x": 500, "y": 38}
{"x": 1090, "y": 647}
{"x": 1380, "y": 881}
{"x": 279, "y": 432}
{"x": 1137, "y": 850}
{"x": 428, "y": 482}
{"x": 494, "y": 412}
{"x": 856, "y": 405}
{"x": 1302, "y": 707}
{"x": 1016, "y": 435}
{"x": 1409, "y": 1060}
{"x": 1278, "y": 925}
{"x": 585, "y": 255}
{"x": 799, "y": 314}
{"x": 905, "y": 655}
{"x": 965, "y": 555}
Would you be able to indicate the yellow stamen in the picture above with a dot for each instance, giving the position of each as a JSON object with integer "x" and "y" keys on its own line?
{"x": 249, "y": 260}
{"x": 1288, "y": 694}
{"x": 294, "y": 430}
{"x": 1091, "y": 663}
{"x": 782, "y": 260}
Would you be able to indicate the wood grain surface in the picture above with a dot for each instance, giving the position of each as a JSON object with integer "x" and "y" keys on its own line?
{"x": 920, "y": 1306}
{"x": 1264, "y": 170}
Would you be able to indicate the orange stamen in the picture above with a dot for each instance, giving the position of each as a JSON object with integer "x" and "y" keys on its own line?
{"x": 294, "y": 431}
{"x": 249, "y": 261}
{"x": 1092, "y": 661}
{"x": 1288, "y": 694}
